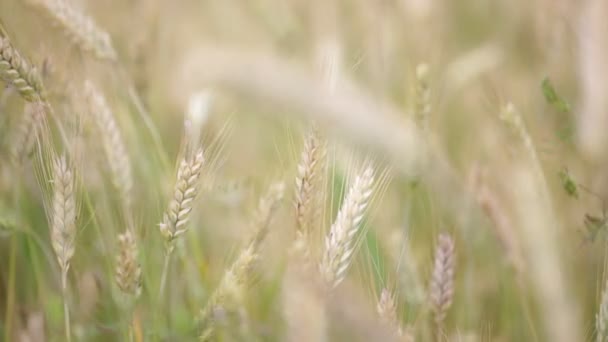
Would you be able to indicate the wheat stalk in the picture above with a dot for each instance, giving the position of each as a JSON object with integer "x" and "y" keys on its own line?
{"x": 113, "y": 144}
{"x": 63, "y": 224}
{"x": 442, "y": 282}
{"x": 601, "y": 318}
{"x": 17, "y": 72}
{"x": 82, "y": 29}
{"x": 339, "y": 246}
{"x": 229, "y": 293}
{"x": 24, "y": 136}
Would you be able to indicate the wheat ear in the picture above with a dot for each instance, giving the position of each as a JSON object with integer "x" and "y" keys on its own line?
{"x": 339, "y": 244}
{"x": 442, "y": 282}
{"x": 311, "y": 163}
{"x": 601, "y": 318}
{"x": 24, "y": 136}
{"x": 113, "y": 144}
{"x": 175, "y": 219}
{"x": 81, "y": 29}
{"x": 63, "y": 224}
{"x": 128, "y": 269}
{"x": 16, "y": 71}
{"x": 387, "y": 309}
{"x": 229, "y": 293}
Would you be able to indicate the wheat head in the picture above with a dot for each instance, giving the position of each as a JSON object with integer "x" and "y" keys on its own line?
{"x": 63, "y": 219}
{"x": 128, "y": 269}
{"x": 17, "y": 72}
{"x": 442, "y": 282}
{"x": 24, "y": 136}
{"x": 176, "y": 217}
{"x": 82, "y": 29}
{"x": 113, "y": 144}
{"x": 339, "y": 246}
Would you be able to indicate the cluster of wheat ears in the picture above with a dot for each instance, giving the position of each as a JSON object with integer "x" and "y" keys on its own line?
{"x": 318, "y": 255}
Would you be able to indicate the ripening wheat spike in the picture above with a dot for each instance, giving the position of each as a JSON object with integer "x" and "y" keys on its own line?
{"x": 113, "y": 144}
{"x": 16, "y": 71}
{"x": 339, "y": 244}
{"x": 128, "y": 269}
{"x": 442, "y": 282}
{"x": 175, "y": 220}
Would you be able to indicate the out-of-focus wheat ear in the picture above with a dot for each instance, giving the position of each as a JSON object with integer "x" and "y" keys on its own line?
{"x": 79, "y": 27}
{"x": 63, "y": 224}
{"x": 17, "y": 72}
{"x": 307, "y": 183}
{"x": 175, "y": 220}
{"x": 387, "y": 310}
{"x": 228, "y": 296}
{"x": 423, "y": 95}
{"x": 442, "y": 283}
{"x": 601, "y": 318}
{"x": 113, "y": 144}
{"x": 339, "y": 244}
{"x": 24, "y": 135}
{"x": 267, "y": 205}
{"x": 512, "y": 117}
{"x": 128, "y": 268}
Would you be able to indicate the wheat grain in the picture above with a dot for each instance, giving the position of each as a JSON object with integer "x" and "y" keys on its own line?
{"x": 17, "y": 72}
{"x": 82, "y": 29}
{"x": 339, "y": 244}
{"x": 442, "y": 282}
{"x": 113, "y": 144}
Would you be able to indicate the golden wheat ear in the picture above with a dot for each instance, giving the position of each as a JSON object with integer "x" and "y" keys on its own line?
{"x": 175, "y": 220}
{"x": 63, "y": 224}
{"x": 18, "y": 73}
{"x": 79, "y": 27}
{"x": 442, "y": 282}
{"x": 23, "y": 137}
{"x": 113, "y": 144}
{"x": 339, "y": 243}
{"x": 128, "y": 269}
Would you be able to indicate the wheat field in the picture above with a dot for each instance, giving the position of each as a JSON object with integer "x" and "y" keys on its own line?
{"x": 339, "y": 170}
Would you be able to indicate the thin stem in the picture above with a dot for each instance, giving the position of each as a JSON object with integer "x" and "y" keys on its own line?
{"x": 163, "y": 279}
{"x": 10, "y": 302}
{"x": 66, "y": 311}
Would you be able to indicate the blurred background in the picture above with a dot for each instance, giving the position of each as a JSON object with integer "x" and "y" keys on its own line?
{"x": 484, "y": 119}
